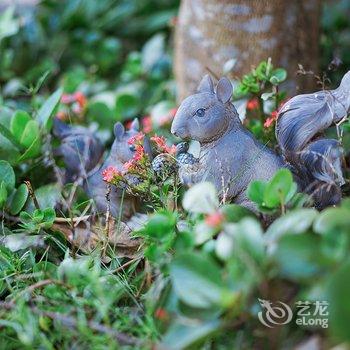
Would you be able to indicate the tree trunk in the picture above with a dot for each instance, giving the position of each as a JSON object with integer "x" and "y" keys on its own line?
{"x": 211, "y": 32}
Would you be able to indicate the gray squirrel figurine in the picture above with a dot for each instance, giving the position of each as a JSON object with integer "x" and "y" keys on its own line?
{"x": 82, "y": 141}
{"x": 230, "y": 156}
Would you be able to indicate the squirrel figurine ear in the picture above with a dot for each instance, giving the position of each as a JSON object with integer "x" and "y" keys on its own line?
{"x": 119, "y": 131}
{"x": 206, "y": 84}
{"x": 135, "y": 125}
{"x": 224, "y": 90}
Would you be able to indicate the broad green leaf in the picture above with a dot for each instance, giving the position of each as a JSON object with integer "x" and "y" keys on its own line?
{"x": 32, "y": 151}
{"x": 278, "y": 75}
{"x": 248, "y": 243}
{"x": 9, "y": 25}
{"x": 3, "y": 193}
{"x": 295, "y": 222}
{"x": 181, "y": 336}
{"x": 7, "y": 175}
{"x": 299, "y": 257}
{"x": 8, "y": 135}
{"x": 339, "y": 302}
{"x": 201, "y": 198}
{"x": 30, "y": 133}
{"x": 127, "y": 106}
{"x": 47, "y": 109}
{"x": 48, "y": 196}
{"x": 278, "y": 188}
{"x": 197, "y": 281}
{"x": 235, "y": 212}
{"x": 203, "y": 232}
{"x": 333, "y": 220}
{"x": 18, "y": 124}
{"x": 19, "y": 199}
{"x": 160, "y": 225}
{"x": 256, "y": 190}
{"x": 101, "y": 113}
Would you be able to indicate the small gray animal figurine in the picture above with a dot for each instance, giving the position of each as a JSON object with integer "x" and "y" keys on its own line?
{"x": 230, "y": 156}
{"x": 78, "y": 166}
{"x": 80, "y": 149}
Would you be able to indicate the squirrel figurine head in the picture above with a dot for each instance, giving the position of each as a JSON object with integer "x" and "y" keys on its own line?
{"x": 206, "y": 115}
{"x": 121, "y": 151}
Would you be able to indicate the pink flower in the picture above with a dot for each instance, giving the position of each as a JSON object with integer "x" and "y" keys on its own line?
{"x": 162, "y": 146}
{"x": 110, "y": 173}
{"x": 147, "y": 124}
{"x": 67, "y": 99}
{"x": 252, "y": 104}
{"x": 214, "y": 220}
{"x": 138, "y": 138}
{"x": 269, "y": 121}
{"x": 129, "y": 165}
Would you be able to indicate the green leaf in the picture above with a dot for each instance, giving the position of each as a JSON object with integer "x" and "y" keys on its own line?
{"x": 47, "y": 109}
{"x": 295, "y": 222}
{"x": 127, "y": 106}
{"x": 3, "y": 193}
{"x": 181, "y": 336}
{"x": 29, "y": 134}
{"x": 48, "y": 196}
{"x": 8, "y": 135}
{"x": 333, "y": 220}
{"x": 278, "y": 188}
{"x": 9, "y": 25}
{"x": 201, "y": 198}
{"x": 18, "y": 124}
{"x": 197, "y": 281}
{"x": 278, "y": 75}
{"x": 7, "y": 175}
{"x": 235, "y": 212}
{"x": 32, "y": 151}
{"x": 19, "y": 199}
{"x": 339, "y": 303}
{"x": 256, "y": 190}
{"x": 248, "y": 243}
{"x": 299, "y": 256}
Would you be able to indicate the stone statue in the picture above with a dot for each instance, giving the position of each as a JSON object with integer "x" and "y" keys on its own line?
{"x": 230, "y": 156}
{"x": 81, "y": 152}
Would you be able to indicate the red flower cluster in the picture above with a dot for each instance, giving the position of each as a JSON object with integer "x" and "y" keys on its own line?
{"x": 78, "y": 100}
{"x": 111, "y": 173}
{"x": 136, "y": 139}
{"x": 252, "y": 104}
{"x": 214, "y": 220}
{"x": 269, "y": 121}
{"x": 161, "y": 314}
{"x": 139, "y": 156}
{"x": 162, "y": 146}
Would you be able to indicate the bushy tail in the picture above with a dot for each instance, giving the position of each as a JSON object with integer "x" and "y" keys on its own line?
{"x": 315, "y": 161}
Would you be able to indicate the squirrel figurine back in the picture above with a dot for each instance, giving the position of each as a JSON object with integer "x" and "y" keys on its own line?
{"x": 230, "y": 156}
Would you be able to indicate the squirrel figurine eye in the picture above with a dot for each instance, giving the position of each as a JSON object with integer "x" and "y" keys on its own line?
{"x": 200, "y": 112}
{"x": 132, "y": 148}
